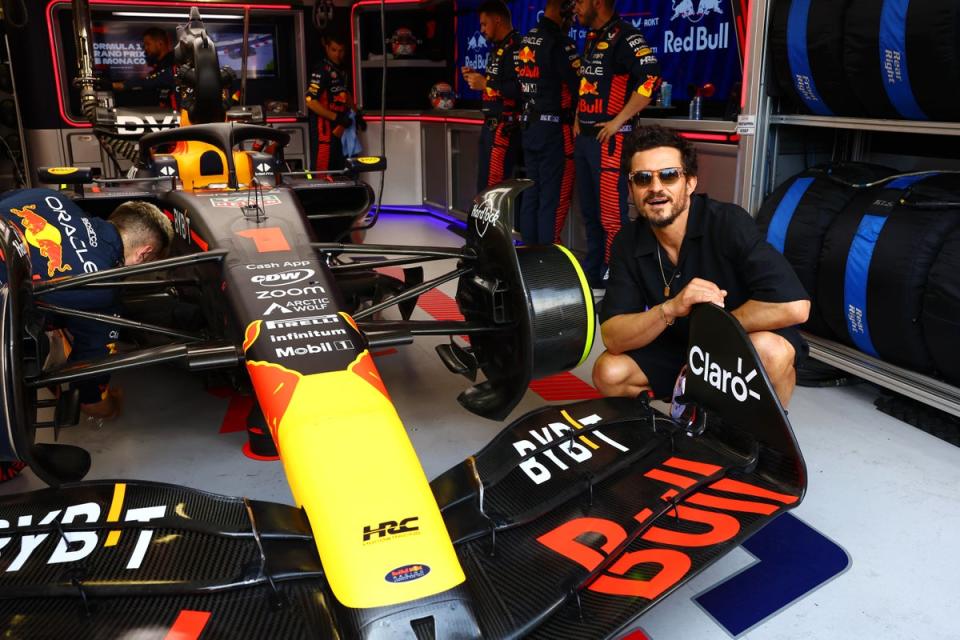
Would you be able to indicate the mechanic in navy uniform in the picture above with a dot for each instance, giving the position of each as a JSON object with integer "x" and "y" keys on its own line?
{"x": 685, "y": 249}
{"x": 548, "y": 67}
{"x": 329, "y": 100}
{"x": 63, "y": 241}
{"x": 159, "y": 54}
{"x": 618, "y": 77}
{"x": 500, "y": 135}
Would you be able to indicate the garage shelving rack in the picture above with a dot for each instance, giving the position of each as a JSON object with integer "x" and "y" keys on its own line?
{"x": 774, "y": 146}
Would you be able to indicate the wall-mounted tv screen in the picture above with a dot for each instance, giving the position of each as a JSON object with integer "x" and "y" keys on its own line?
{"x": 118, "y": 48}
{"x": 274, "y": 59}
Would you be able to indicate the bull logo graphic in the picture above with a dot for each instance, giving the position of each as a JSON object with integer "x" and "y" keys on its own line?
{"x": 685, "y": 9}
{"x": 44, "y": 236}
{"x": 682, "y": 9}
{"x": 476, "y": 41}
{"x": 587, "y": 88}
{"x": 527, "y": 55}
{"x": 709, "y": 6}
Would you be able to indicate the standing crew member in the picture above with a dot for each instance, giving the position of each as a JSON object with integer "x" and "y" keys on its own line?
{"x": 328, "y": 99}
{"x": 159, "y": 54}
{"x": 618, "y": 77}
{"x": 499, "y": 139}
{"x": 548, "y": 67}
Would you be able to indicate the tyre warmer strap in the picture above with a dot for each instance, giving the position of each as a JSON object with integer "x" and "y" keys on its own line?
{"x": 777, "y": 232}
{"x": 799, "y": 59}
{"x": 857, "y": 272}
{"x": 893, "y": 59}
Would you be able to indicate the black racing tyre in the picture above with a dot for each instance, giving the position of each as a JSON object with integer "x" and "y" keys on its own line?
{"x": 941, "y": 310}
{"x": 902, "y": 57}
{"x": 796, "y": 216}
{"x": 876, "y": 262}
{"x": 806, "y": 44}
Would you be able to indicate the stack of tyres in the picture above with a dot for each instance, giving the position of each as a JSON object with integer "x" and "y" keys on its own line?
{"x": 796, "y": 216}
{"x": 876, "y": 263}
{"x": 902, "y": 57}
{"x": 941, "y": 310}
{"x": 806, "y": 42}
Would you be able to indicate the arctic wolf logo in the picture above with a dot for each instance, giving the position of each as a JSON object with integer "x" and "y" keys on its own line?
{"x": 685, "y": 9}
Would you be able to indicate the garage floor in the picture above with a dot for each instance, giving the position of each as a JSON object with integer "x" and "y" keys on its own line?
{"x": 871, "y": 552}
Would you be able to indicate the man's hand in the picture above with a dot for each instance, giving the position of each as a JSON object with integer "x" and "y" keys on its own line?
{"x": 475, "y": 80}
{"x": 608, "y": 129}
{"x": 107, "y": 409}
{"x": 697, "y": 290}
{"x": 576, "y": 126}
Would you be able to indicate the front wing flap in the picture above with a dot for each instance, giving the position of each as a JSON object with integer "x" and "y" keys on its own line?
{"x": 122, "y": 559}
{"x": 639, "y": 509}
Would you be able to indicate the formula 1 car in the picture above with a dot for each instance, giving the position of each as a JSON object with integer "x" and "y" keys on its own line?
{"x": 570, "y": 523}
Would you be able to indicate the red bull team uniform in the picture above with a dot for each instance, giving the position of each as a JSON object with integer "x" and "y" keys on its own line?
{"x": 616, "y": 62}
{"x": 499, "y": 137}
{"x": 63, "y": 241}
{"x": 548, "y": 67}
{"x": 328, "y": 86}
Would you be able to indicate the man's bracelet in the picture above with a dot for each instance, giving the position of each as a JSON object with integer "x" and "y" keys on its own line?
{"x": 663, "y": 314}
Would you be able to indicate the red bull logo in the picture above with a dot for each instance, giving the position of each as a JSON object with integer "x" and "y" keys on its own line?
{"x": 527, "y": 55}
{"x": 44, "y": 236}
{"x": 588, "y": 88}
{"x": 646, "y": 89}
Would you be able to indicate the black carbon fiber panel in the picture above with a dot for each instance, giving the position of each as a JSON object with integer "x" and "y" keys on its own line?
{"x": 226, "y": 512}
{"x": 118, "y": 539}
{"x": 248, "y": 614}
{"x": 171, "y": 555}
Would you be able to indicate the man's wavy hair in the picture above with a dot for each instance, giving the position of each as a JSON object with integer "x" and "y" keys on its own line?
{"x": 654, "y": 136}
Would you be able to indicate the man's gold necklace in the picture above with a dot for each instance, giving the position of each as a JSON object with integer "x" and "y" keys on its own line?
{"x": 666, "y": 285}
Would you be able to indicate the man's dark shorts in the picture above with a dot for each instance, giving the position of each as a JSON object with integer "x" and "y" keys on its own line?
{"x": 662, "y": 360}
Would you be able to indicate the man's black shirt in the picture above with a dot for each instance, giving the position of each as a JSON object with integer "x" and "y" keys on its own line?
{"x": 722, "y": 244}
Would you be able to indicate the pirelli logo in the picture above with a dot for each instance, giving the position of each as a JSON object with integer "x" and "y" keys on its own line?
{"x": 293, "y": 323}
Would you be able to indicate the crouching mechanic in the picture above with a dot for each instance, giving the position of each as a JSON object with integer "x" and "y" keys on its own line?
{"x": 685, "y": 249}
{"x": 63, "y": 241}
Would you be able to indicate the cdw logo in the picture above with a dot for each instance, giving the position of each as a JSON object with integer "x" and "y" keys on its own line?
{"x": 390, "y": 528}
{"x": 672, "y": 561}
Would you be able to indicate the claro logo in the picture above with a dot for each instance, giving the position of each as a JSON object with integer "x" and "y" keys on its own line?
{"x": 727, "y": 382}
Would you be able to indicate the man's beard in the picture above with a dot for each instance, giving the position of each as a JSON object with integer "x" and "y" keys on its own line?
{"x": 675, "y": 209}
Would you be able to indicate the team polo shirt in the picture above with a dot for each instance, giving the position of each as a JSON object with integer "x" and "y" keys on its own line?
{"x": 722, "y": 244}
{"x": 328, "y": 85}
{"x": 502, "y": 93}
{"x": 616, "y": 62}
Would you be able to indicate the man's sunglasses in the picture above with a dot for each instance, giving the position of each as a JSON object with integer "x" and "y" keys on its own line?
{"x": 645, "y": 178}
